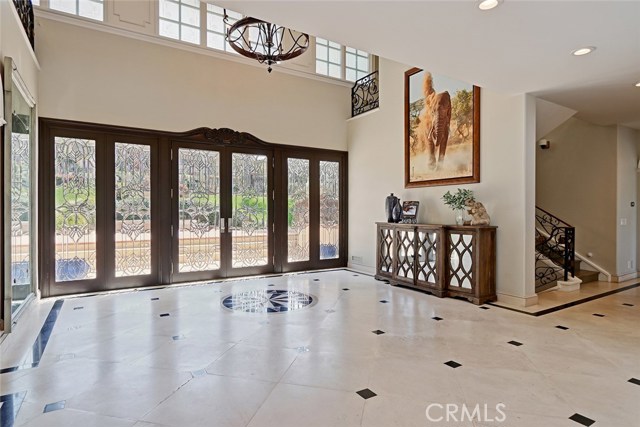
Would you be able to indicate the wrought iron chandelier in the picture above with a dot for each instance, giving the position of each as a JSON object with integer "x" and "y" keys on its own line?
{"x": 267, "y": 43}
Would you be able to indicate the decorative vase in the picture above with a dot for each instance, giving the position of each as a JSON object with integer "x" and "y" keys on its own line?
{"x": 460, "y": 216}
{"x": 397, "y": 212}
{"x": 389, "y": 204}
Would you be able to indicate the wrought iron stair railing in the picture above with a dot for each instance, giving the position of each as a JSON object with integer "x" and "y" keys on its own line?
{"x": 555, "y": 248}
{"x": 365, "y": 94}
{"x": 25, "y": 12}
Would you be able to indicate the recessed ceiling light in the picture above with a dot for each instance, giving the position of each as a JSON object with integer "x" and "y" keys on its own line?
{"x": 488, "y": 4}
{"x": 583, "y": 51}
{"x": 638, "y": 84}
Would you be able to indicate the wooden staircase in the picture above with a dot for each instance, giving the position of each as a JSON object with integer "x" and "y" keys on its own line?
{"x": 585, "y": 275}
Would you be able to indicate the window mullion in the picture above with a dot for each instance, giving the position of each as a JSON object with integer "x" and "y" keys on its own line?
{"x": 203, "y": 24}
{"x": 343, "y": 59}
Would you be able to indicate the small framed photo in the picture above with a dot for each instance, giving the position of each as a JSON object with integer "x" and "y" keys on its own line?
{"x": 410, "y": 212}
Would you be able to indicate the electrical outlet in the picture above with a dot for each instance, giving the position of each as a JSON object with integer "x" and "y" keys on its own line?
{"x": 356, "y": 259}
{"x": 623, "y": 221}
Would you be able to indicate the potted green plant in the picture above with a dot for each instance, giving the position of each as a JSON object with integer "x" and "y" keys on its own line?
{"x": 457, "y": 201}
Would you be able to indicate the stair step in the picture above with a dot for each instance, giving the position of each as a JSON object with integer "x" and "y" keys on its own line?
{"x": 576, "y": 264}
{"x": 587, "y": 276}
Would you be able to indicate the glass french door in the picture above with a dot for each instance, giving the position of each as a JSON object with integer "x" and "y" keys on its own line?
{"x": 19, "y": 245}
{"x": 103, "y": 196}
{"x": 313, "y": 210}
{"x": 122, "y": 208}
{"x": 222, "y": 212}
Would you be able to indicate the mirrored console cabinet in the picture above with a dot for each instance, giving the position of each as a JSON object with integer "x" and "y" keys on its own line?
{"x": 444, "y": 260}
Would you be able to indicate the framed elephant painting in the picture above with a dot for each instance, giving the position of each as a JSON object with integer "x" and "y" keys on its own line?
{"x": 442, "y": 130}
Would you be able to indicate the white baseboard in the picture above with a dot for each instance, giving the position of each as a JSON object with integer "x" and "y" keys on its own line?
{"x": 362, "y": 269}
{"x": 518, "y": 301}
{"x": 624, "y": 277}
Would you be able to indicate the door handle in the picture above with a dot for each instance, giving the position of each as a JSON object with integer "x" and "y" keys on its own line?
{"x": 226, "y": 225}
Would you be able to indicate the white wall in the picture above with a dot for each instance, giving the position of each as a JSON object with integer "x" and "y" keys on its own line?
{"x": 627, "y": 160}
{"x": 576, "y": 181}
{"x": 376, "y": 168}
{"x": 637, "y": 201}
{"x": 14, "y": 43}
{"x": 93, "y": 76}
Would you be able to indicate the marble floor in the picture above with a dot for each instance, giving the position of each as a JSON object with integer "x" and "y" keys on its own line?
{"x": 553, "y": 299}
{"x": 339, "y": 349}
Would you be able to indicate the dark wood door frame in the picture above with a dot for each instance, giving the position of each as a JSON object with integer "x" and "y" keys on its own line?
{"x": 164, "y": 180}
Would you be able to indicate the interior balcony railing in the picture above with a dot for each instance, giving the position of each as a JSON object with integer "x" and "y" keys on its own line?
{"x": 555, "y": 248}
{"x": 365, "y": 94}
{"x": 25, "y": 12}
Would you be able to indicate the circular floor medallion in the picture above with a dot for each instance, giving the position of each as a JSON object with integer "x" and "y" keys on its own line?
{"x": 267, "y": 301}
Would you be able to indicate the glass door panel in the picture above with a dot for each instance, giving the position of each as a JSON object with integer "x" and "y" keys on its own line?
{"x": 329, "y": 210}
{"x": 132, "y": 209}
{"x": 249, "y": 222}
{"x": 21, "y": 262}
{"x": 199, "y": 231}
{"x": 298, "y": 210}
{"x": 75, "y": 209}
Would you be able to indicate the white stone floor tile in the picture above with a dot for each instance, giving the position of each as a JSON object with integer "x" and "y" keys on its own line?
{"x": 115, "y": 361}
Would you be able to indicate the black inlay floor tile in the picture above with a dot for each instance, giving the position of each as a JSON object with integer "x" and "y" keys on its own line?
{"x": 484, "y": 308}
{"x": 598, "y": 315}
{"x": 453, "y": 364}
{"x": 581, "y": 419}
{"x": 9, "y": 408}
{"x": 384, "y": 301}
{"x": 33, "y": 357}
{"x": 19, "y": 368}
{"x": 178, "y": 337}
{"x": 634, "y": 381}
{"x": 366, "y": 393}
{"x": 78, "y": 308}
{"x": 164, "y": 315}
{"x": 516, "y": 343}
{"x": 564, "y": 328}
{"x": 437, "y": 318}
{"x": 627, "y": 304}
{"x": 155, "y": 299}
{"x": 378, "y": 332}
{"x": 55, "y": 406}
{"x": 316, "y": 280}
{"x": 355, "y": 275}
{"x": 271, "y": 284}
{"x": 345, "y": 289}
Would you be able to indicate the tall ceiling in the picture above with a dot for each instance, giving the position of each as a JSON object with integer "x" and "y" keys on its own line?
{"x": 522, "y": 46}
